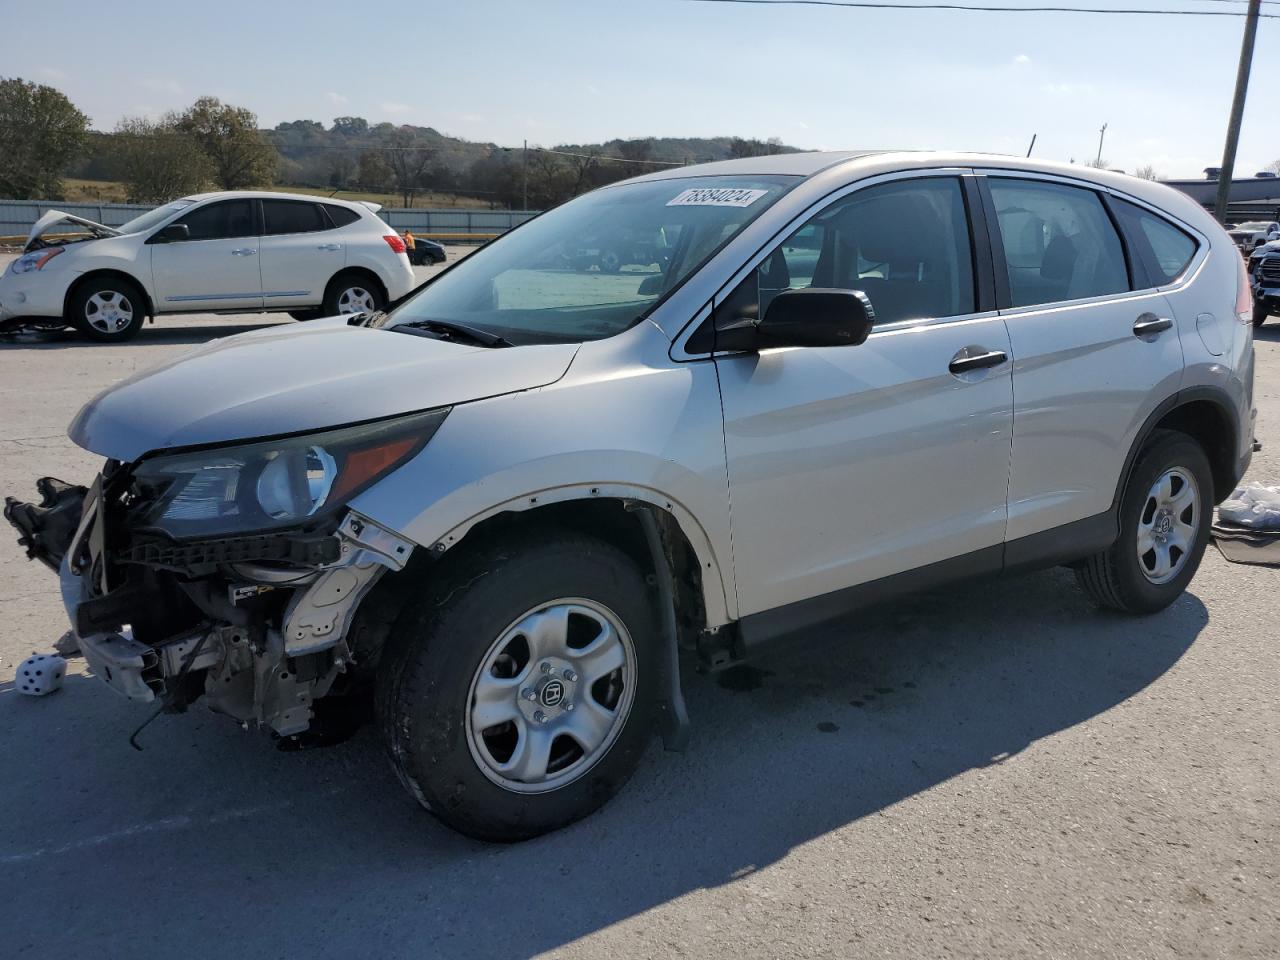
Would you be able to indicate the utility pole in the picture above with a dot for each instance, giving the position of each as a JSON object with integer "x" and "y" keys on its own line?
{"x": 1237, "y": 111}
{"x": 1101, "y": 134}
{"x": 1033, "y": 143}
{"x": 525, "y": 201}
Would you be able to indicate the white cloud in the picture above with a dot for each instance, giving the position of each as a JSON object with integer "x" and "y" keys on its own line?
{"x": 1021, "y": 58}
{"x": 337, "y": 99}
{"x": 395, "y": 108}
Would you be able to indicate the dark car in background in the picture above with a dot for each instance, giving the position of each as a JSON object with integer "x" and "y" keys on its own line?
{"x": 425, "y": 253}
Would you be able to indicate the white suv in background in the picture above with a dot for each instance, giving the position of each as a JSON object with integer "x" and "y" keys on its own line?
{"x": 226, "y": 252}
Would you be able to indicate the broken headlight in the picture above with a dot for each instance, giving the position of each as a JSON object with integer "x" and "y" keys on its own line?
{"x": 274, "y": 483}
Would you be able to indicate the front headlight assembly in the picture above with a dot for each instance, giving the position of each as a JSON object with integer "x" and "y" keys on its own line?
{"x": 271, "y": 484}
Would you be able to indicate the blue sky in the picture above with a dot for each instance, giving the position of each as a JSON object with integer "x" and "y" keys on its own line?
{"x": 558, "y": 71}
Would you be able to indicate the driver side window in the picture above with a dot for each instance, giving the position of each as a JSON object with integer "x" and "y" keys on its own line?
{"x": 223, "y": 220}
{"x": 904, "y": 244}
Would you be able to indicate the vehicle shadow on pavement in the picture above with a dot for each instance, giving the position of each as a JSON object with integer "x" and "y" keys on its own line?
{"x": 148, "y": 336}
{"x": 237, "y": 849}
{"x": 1270, "y": 332}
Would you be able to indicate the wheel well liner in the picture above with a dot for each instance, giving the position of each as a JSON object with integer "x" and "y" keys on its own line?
{"x": 107, "y": 273}
{"x": 1206, "y": 415}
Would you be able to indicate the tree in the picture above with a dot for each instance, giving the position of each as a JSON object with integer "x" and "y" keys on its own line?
{"x": 157, "y": 161}
{"x": 230, "y": 138}
{"x": 1274, "y": 166}
{"x": 350, "y": 126}
{"x": 1146, "y": 172}
{"x": 41, "y": 131}
{"x": 374, "y": 173}
{"x": 408, "y": 157}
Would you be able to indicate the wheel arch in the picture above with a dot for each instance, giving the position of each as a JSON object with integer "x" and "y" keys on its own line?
{"x": 1205, "y": 414}
{"x": 609, "y": 511}
{"x": 357, "y": 271}
{"x": 108, "y": 273}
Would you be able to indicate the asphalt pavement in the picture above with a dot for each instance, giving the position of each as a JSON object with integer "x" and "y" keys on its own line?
{"x": 999, "y": 771}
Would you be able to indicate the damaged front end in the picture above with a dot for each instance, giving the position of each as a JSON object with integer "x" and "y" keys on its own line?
{"x": 260, "y": 623}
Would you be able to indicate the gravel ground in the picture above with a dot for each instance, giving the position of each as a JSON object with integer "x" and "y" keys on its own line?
{"x": 1002, "y": 772}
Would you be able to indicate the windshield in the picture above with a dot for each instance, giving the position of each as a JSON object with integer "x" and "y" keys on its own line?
{"x": 591, "y": 268}
{"x": 151, "y": 218}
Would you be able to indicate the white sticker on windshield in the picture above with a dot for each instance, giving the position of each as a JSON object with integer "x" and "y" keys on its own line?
{"x": 717, "y": 197}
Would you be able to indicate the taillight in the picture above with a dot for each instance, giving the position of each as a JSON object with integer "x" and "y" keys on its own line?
{"x": 395, "y": 243}
{"x": 1244, "y": 295}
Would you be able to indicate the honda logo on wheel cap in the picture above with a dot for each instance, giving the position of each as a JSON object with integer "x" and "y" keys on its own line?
{"x": 552, "y": 693}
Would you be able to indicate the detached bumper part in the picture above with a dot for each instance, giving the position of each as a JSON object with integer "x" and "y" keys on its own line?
{"x": 45, "y": 529}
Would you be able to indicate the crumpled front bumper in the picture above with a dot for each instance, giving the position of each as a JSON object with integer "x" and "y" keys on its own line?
{"x": 261, "y": 633}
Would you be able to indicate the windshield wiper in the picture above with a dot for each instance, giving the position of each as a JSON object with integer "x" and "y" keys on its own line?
{"x": 454, "y": 329}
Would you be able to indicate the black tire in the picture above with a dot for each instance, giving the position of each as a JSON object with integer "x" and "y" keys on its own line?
{"x": 425, "y": 679}
{"x": 85, "y": 310}
{"x": 337, "y": 296}
{"x": 303, "y": 315}
{"x": 1261, "y": 310}
{"x": 1115, "y": 578}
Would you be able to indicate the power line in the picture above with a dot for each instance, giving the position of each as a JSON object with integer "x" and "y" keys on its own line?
{"x": 974, "y": 8}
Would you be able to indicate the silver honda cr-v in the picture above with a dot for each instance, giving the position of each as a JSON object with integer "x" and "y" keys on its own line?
{"x": 503, "y": 511}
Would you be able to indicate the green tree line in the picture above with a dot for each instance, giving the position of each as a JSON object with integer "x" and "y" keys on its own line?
{"x": 44, "y": 138}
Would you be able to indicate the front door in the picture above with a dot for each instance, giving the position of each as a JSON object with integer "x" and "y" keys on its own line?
{"x": 216, "y": 268}
{"x": 850, "y": 464}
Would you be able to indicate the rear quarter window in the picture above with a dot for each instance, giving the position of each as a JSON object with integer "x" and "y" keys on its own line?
{"x": 341, "y": 216}
{"x": 1164, "y": 249}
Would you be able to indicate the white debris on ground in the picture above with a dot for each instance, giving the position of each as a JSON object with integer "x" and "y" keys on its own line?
{"x": 1252, "y": 505}
{"x": 40, "y": 674}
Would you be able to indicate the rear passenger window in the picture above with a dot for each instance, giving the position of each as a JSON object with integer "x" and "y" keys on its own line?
{"x": 341, "y": 216}
{"x": 1165, "y": 250}
{"x": 904, "y": 244}
{"x": 291, "y": 216}
{"x": 1059, "y": 243}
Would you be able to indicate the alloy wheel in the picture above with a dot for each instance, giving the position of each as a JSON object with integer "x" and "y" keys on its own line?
{"x": 108, "y": 311}
{"x": 1168, "y": 524}
{"x": 355, "y": 300}
{"x": 551, "y": 695}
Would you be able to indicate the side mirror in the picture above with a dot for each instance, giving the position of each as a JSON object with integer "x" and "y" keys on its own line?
{"x": 803, "y": 318}
{"x": 173, "y": 233}
{"x": 651, "y": 285}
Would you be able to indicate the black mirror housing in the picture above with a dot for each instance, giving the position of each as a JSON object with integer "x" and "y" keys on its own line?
{"x": 812, "y": 317}
{"x": 173, "y": 233}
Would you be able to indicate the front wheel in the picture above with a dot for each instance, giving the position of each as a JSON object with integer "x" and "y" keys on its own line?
{"x": 524, "y": 699}
{"x": 107, "y": 310}
{"x": 1165, "y": 515}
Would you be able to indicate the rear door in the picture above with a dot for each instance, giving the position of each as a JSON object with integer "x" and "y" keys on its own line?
{"x": 301, "y": 252}
{"x": 217, "y": 267}
{"x": 1095, "y": 350}
{"x": 850, "y": 464}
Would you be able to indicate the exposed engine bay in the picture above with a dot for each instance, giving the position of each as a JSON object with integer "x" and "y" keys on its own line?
{"x": 260, "y": 626}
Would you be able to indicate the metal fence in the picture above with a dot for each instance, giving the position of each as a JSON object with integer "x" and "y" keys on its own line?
{"x": 461, "y": 226}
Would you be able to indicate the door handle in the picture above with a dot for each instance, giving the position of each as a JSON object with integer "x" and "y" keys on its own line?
{"x": 1149, "y": 324}
{"x": 979, "y": 361}
{"x": 329, "y": 246}
{"x": 244, "y": 252}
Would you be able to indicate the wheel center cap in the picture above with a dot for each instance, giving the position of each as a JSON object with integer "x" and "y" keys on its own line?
{"x": 1164, "y": 524}
{"x": 552, "y": 693}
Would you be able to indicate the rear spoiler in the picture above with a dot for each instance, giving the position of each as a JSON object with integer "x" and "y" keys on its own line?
{"x": 375, "y": 207}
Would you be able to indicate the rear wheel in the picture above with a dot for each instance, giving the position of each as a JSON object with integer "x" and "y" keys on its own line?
{"x": 1165, "y": 515}
{"x": 352, "y": 293}
{"x": 524, "y": 699}
{"x": 108, "y": 310}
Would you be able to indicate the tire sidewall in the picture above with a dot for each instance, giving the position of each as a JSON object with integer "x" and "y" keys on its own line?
{"x": 425, "y": 701}
{"x": 123, "y": 288}
{"x": 1166, "y": 451}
